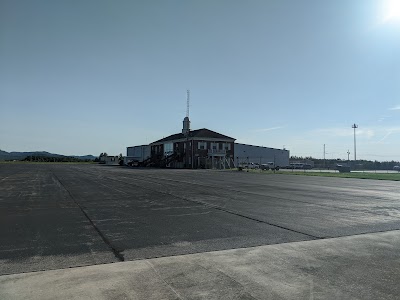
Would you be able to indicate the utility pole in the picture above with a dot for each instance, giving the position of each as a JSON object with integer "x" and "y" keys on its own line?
{"x": 324, "y": 155}
{"x": 355, "y": 126}
{"x": 348, "y": 156}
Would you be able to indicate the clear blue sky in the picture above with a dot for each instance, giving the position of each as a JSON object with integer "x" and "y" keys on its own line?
{"x": 84, "y": 77}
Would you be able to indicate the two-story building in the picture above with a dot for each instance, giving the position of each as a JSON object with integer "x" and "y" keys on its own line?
{"x": 202, "y": 148}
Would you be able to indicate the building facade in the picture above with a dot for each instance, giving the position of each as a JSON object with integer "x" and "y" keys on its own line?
{"x": 202, "y": 148}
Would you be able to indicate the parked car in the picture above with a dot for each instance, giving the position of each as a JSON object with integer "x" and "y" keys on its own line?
{"x": 396, "y": 168}
{"x": 264, "y": 167}
{"x": 272, "y": 166}
{"x": 343, "y": 168}
{"x": 296, "y": 165}
{"x": 250, "y": 165}
{"x": 133, "y": 163}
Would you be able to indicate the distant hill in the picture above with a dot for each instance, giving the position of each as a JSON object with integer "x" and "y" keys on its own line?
{"x": 4, "y": 155}
{"x": 88, "y": 156}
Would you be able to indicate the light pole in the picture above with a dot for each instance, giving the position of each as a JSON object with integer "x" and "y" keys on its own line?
{"x": 354, "y": 126}
{"x": 348, "y": 156}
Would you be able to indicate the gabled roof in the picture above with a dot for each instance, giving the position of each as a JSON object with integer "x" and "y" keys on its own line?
{"x": 199, "y": 133}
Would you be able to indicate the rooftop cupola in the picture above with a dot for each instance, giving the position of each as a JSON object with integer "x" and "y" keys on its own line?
{"x": 186, "y": 126}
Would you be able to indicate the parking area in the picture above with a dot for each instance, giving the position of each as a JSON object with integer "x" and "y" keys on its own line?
{"x": 65, "y": 215}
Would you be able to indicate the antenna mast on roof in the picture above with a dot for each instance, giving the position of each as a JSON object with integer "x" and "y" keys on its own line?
{"x": 187, "y": 103}
{"x": 186, "y": 122}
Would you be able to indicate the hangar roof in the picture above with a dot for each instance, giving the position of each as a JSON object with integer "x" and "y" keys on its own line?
{"x": 195, "y": 134}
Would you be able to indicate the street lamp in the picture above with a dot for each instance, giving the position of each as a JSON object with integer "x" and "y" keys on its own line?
{"x": 354, "y": 126}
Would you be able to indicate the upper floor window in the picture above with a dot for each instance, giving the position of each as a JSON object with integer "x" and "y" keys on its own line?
{"x": 202, "y": 145}
{"x": 168, "y": 148}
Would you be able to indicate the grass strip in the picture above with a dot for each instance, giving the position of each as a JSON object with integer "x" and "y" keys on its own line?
{"x": 358, "y": 175}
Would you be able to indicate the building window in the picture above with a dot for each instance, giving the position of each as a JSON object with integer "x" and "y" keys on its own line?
{"x": 214, "y": 146}
{"x": 227, "y": 146}
{"x": 168, "y": 148}
{"x": 202, "y": 145}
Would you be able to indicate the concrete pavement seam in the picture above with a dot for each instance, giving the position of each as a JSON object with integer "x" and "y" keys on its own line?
{"x": 196, "y": 253}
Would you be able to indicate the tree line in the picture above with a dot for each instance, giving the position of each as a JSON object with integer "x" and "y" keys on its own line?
{"x": 360, "y": 164}
{"x": 34, "y": 158}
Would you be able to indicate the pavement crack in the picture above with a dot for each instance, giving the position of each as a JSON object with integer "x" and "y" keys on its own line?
{"x": 257, "y": 194}
{"x": 232, "y": 212}
{"x": 117, "y": 253}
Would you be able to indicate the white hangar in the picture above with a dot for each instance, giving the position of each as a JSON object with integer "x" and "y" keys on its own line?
{"x": 260, "y": 155}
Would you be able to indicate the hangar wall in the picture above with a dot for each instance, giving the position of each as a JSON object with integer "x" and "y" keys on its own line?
{"x": 261, "y": 155}
{"x": 138, "y": 153}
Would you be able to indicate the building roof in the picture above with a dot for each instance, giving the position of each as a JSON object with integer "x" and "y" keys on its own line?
{"x": 261, "y": 147}
{"x": 199, "y": 133}
{"x": 138, "y": 146}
